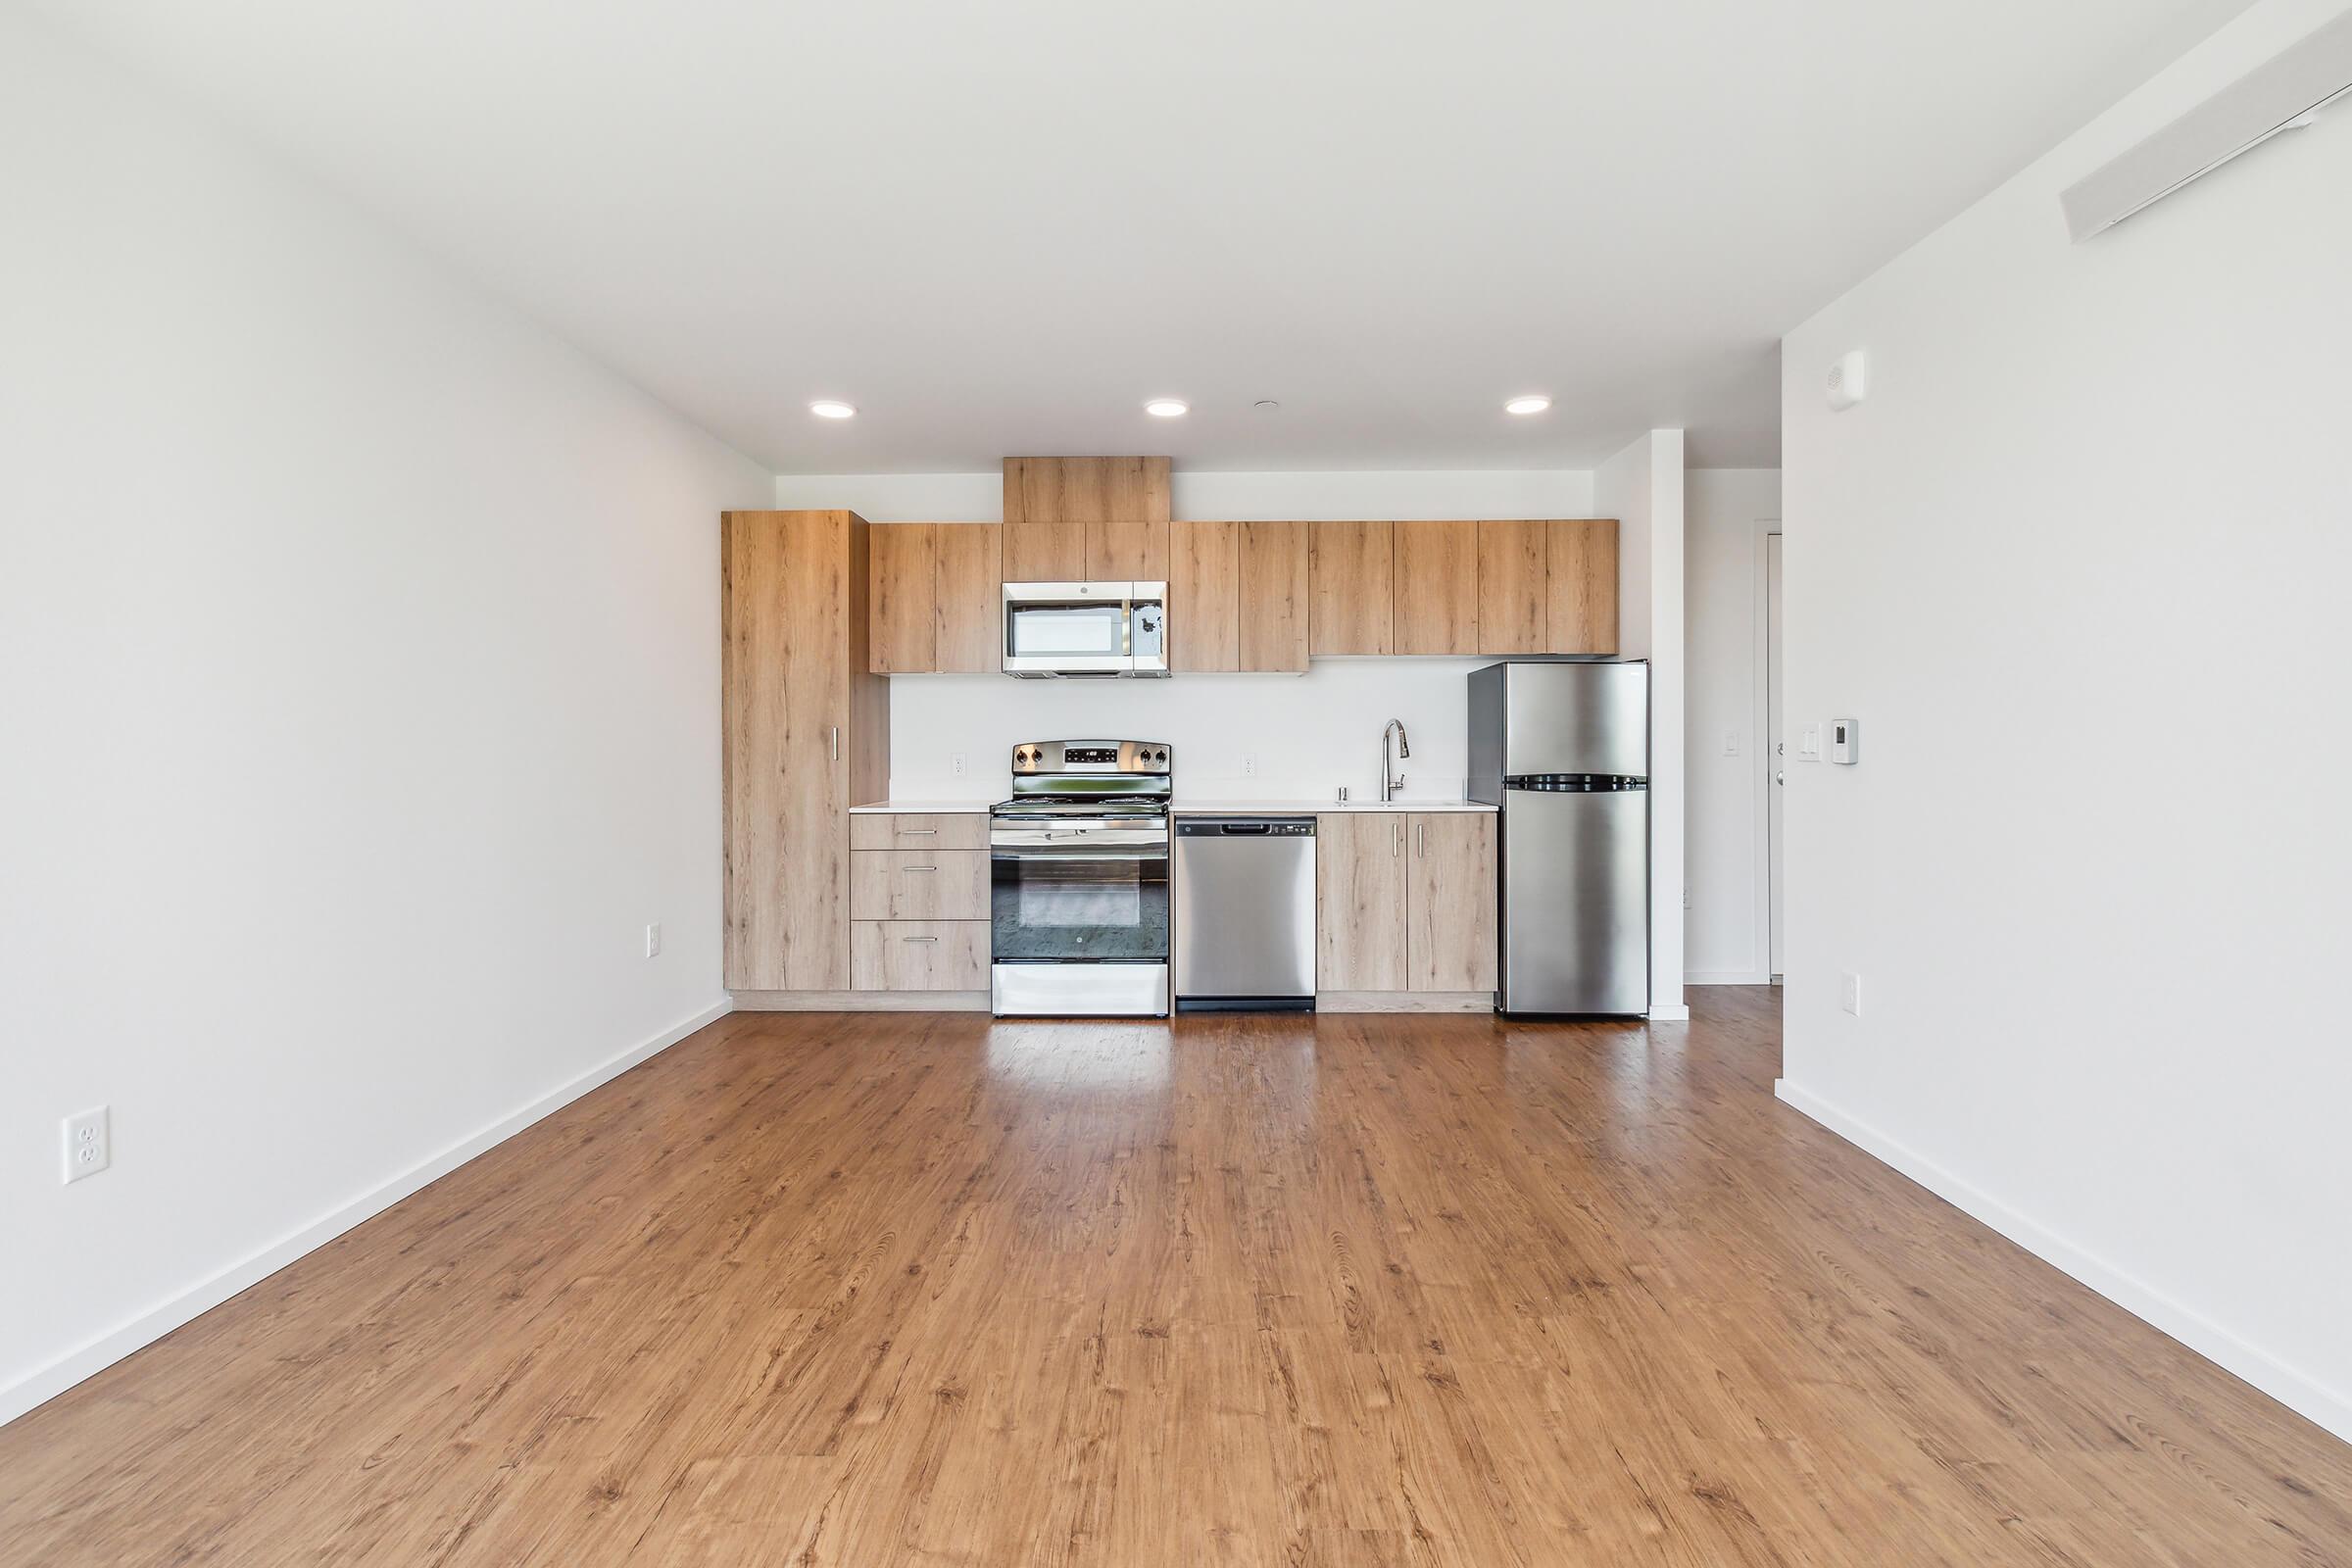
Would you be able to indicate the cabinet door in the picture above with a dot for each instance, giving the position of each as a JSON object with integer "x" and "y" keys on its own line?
{"x": 790, "y": 633}
{"x": 1354, "y": 594}
{"x": 1127, "y": 541}
{"x": 1275, "y": 562}
{"x": 1204, "y": 628}
{"x": 1361, "y": 893}
{"x": 1511, "y": 587}
{"x": 967, "y": 625}
{"x": 902, "y": 573}
{"x": 1581, "y": 573}
{"x": 1453, "y": 910}
{"x": 1437, "y": 588}
{"x": 1044, "y": 552}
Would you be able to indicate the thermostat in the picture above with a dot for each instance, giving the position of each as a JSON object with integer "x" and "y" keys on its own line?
{"x": 1845, "y": 741}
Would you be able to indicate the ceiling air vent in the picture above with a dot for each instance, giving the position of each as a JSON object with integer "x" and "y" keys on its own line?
{"x": 2249, "y": 112}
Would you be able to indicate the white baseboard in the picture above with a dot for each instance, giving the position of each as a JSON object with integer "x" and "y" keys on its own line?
{"x": 1726, "y": 977}
{"x": 2274, "y": 1377}
{"x": 1676, "y": 1015}
{"x": 94, "y": 1355}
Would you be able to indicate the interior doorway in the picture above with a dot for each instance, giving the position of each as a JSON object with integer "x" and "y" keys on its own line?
{"x": 1776, "y": 759}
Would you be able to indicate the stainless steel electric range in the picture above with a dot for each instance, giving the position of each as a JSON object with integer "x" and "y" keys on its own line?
{"x": 1078, "y": 865}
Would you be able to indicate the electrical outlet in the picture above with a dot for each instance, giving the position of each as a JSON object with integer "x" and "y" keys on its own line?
{"x": 955, "y": 764}
{"x": 1731, "y": 743}
{"x": 1249, "y": 764}
{"x": 653, "y": 940}
{"x": 1849, "y": 994}
{"x": 89, "y": 1149}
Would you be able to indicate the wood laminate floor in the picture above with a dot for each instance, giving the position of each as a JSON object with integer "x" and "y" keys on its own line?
{"x": 933, "y": 1290}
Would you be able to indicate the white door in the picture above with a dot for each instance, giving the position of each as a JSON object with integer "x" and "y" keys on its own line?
{"x": 1778, "y": 760}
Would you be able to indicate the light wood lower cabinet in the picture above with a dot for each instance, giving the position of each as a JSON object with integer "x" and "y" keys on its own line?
{"x": 919, "y": 885}
{"x": 1450, "y": 908}
{"x": 918, "y": 954}
{"x": 1404, "y": 902}
{"x": 1360, "y": 902}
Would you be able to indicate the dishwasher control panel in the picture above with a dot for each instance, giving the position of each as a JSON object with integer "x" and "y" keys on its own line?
{"x": 1254, "y": 828}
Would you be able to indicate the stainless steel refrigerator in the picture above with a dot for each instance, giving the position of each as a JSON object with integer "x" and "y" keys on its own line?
{"x": 1563, "y": 749}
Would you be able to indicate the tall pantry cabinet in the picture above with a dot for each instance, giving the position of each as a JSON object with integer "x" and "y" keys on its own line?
{"x": 808, "y": 736}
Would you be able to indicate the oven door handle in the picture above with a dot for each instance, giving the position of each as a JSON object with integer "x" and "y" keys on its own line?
{"x": 1080, "y": 853}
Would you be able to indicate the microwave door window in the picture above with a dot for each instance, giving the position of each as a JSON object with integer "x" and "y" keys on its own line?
{"x": 1081, "y": 631}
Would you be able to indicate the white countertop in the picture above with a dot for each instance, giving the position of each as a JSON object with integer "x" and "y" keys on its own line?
{"x": 1190, "y": 808}
{"x": 920, "y": 807}
{"x": 1183, "y": 807}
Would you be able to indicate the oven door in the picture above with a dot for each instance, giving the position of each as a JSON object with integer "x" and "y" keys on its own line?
{"x": 1080, "y": 894}
{"x": 1067, "y": 628}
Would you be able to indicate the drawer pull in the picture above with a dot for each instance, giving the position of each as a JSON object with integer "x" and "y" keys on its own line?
{"x": 918, "y": 867}
{"x": 910, "y": 832}
{"x": 919, "y": 938}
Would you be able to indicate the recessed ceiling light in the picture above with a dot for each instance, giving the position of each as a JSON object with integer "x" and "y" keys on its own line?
{"x": 1166, "y": 408}
{"x": 831, "y": 409}
{"x": 1527, "y": 405}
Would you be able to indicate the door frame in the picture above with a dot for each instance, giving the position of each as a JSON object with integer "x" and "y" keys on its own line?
{"x": 1761, "y": 661}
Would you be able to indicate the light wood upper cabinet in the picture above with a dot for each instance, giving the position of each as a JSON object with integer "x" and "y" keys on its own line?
{"x": 1437, "y": 587}
{"x": 902, "y": 566}
{"x": 936, "y": 595}
{"x": 1581, "y": 577}
{"x": 1205, "y": 627}
{"x": 1276, "y": 563}
{"x": 969, "y": 598}
{"x": 1360, "y": 889}
{"x": 1450, "y": 905}
{"x": 1511, "y": 587}
{"x": 1354, "y": 576}
{"x": 807, "y": 735}
{"x": 1081, "y": 519}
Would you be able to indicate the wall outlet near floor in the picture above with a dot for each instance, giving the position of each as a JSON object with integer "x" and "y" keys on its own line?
{"x": 653, "y": 940}
{"x": 1849, "y": 994}
{"x": 89, "y": 1144}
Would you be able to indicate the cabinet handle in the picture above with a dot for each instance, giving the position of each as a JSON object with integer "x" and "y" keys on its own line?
{"x": 918, "y": 867}
{"x": 833, "y": 742}
{"x": 1396, "y": 843}
{"x": 910, "y": 832}
{"x": 919, "y": 938}
{"x": 1421, "y": 841}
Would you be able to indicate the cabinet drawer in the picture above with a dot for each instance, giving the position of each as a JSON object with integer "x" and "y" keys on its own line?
{"x": 927, "y": 830}
{"x": 918, "y": 954}
{"x": 919, "y": 885}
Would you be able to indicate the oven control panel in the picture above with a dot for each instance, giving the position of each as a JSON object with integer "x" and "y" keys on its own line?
{"x": 1091, "y": 757}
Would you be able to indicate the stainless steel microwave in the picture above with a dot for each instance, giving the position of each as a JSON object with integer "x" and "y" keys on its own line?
{"x": 1086, "y": 628}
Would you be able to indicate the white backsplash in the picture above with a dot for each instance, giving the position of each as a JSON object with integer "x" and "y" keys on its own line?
{"x": 1308, "y": 733}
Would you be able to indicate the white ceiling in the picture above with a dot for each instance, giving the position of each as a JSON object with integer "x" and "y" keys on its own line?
{"x": 998, "y": 227}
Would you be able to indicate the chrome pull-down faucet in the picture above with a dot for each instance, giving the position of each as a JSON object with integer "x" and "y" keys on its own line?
{"x": 1389, "y": 785}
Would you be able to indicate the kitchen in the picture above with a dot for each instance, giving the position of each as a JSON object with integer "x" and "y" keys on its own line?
{"x": 859, "y": 876}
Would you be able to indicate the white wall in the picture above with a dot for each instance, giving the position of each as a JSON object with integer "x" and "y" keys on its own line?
{"x": 2077, "y": 566}
{"x": 359, "y": 670}
{"x": 1641, "y": 487}
{"x": 1725, "y": 935}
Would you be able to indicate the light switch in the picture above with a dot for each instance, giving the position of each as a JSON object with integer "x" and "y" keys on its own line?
{"x": 1809, "y": 744}
{"x": 1731, "y": 743}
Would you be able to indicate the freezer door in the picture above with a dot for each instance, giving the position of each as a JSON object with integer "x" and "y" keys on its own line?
{"x": 1575, "y": 875}
{"x": 1576, "y": 719}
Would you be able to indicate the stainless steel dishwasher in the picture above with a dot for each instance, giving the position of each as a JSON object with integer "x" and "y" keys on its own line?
{"x": 1244, "y": 933}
